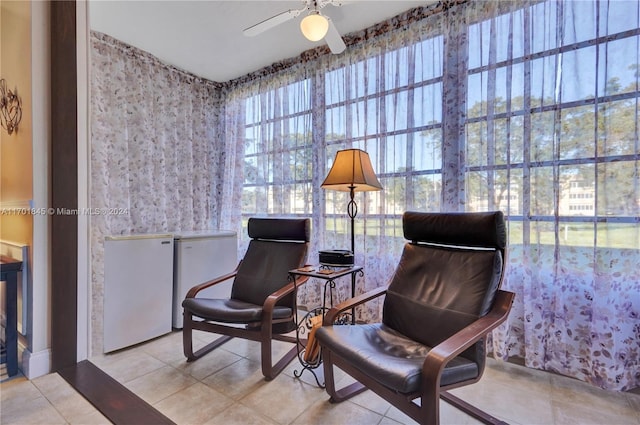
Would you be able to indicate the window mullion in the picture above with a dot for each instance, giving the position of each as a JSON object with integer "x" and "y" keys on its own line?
{"x": 318, "y": 153}
{"x": 409, "y": 186}
{"x": 454, "y": 110}
{"x": 491, "y": 107}
{"x": 527, "y": 135}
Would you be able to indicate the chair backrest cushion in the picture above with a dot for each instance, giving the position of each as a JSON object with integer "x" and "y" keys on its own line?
{"x": 479, "y": 229}
{"x": 447, "y": 276}
{"x": 279, "y": 229}
{"x": 277, "y": 246}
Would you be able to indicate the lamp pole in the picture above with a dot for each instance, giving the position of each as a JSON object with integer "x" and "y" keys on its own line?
{"x": 352, "y": 211}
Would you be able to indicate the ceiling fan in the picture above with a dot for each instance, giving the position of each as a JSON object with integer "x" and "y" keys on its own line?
{"x": 315, "y": 26}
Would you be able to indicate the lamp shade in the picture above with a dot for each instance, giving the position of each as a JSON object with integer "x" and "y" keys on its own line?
{"x": 352, "y": 169}
{"x": 314, "y": 26}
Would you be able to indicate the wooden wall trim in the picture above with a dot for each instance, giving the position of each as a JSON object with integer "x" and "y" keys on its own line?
{"x": 64, "y": 185}
{"x": 119, "y": 404}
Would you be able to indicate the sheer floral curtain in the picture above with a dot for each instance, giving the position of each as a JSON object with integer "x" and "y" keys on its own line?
{"x": 268, "y": 122}
{"x": 267, "y": 134}
{"x": 527, "y": 107}
{"x": 294, "y": 121}
{"x": 551, "y": 137}
{"x": 384, "y": 97}
{"x": 154, "y": 152}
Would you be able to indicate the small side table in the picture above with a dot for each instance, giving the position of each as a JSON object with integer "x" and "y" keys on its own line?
{"x": 9, "y": 268}
{"x": 329, "y": 274}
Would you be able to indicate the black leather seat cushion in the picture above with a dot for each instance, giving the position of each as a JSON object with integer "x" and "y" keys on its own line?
{"x": 388, "y": 356}
{"x": 230, "y": 310}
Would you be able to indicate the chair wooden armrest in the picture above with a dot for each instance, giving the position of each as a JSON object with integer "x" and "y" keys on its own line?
{"x": 272, "y": 299}
{"x": 442, "y": 353}
{"x": 194, "y": 291}
{"x": 331, "y": 315}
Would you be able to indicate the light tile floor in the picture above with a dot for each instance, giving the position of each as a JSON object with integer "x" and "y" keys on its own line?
{"x": 226, "y": 387}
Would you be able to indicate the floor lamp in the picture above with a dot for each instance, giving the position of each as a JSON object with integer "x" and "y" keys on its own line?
{"x": 352, "y": 171}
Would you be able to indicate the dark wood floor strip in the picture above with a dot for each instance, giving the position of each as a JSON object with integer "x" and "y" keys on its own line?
{"x": 112, "y": 399}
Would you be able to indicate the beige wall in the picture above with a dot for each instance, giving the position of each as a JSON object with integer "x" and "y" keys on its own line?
{"x": 16, "y": 171}
{"x": 24, "y": 164}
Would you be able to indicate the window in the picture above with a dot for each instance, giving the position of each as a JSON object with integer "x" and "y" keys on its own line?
{"x": 277, "y": 170}
{"x": 530, "y": 107}
{"x": 554, "y": 114}
{"x": 390, "y": 106}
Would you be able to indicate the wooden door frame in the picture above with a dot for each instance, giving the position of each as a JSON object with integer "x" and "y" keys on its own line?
{"x": 64, "y": 186}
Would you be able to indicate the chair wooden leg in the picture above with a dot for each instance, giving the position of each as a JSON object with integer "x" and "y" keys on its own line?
{"x": 187, "y": 336}
{"x": 210, "y": 347}
{"x": 266, "y": 355}
{"x": 187, "y": 340}
{"x": 470, "y": 410}
{"x": 329, "y": 379}
{"x": 430, "y": 406}
{"x": 337, "y": 396}
{"x": 347, "y": 392}
{"x": 269, "y": 370}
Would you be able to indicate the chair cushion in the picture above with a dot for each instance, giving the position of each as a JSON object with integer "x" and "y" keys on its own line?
{"x": 436, "y": 285}
{"x": 230, "y": 311}
{"x": 479, "y": 229}
{"x": 265, "y": 269}
{"x": 387, "y": 356}
{"x": 281, "y": 229}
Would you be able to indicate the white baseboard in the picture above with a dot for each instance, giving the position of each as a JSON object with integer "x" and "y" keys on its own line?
{"x": 35, "y": 364}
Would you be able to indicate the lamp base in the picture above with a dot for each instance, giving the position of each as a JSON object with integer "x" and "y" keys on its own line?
{"x": 336, "y": 257}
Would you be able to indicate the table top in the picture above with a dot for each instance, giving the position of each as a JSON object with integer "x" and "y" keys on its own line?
{"x": 8, "y": 264}
{"x": 325, "y": 272}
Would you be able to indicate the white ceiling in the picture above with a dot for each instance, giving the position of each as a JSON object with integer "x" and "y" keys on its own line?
{"x": 205, "y": 37}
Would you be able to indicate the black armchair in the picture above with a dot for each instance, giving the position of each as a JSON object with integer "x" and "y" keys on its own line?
{"x": 443, "y": 299}
{"x": 262, "y": 296}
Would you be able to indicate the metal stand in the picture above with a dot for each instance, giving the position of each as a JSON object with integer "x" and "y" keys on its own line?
{"x": 352, "y": 211}
{"x": 305, "y": 324}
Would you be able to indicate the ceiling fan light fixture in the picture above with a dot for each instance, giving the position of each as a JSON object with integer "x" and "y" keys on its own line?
{"x": 314, "y": 26}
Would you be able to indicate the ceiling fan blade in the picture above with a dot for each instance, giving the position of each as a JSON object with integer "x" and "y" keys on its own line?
{"x": 267, "y": 24}
{"x": 334, "y": 39}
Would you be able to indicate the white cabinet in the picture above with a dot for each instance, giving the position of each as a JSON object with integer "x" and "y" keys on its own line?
{"x": 201, "y": 256}
{"x": 138, "y": 289}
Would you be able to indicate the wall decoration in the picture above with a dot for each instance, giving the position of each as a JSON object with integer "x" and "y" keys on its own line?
{"x": 10, "y": 108}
